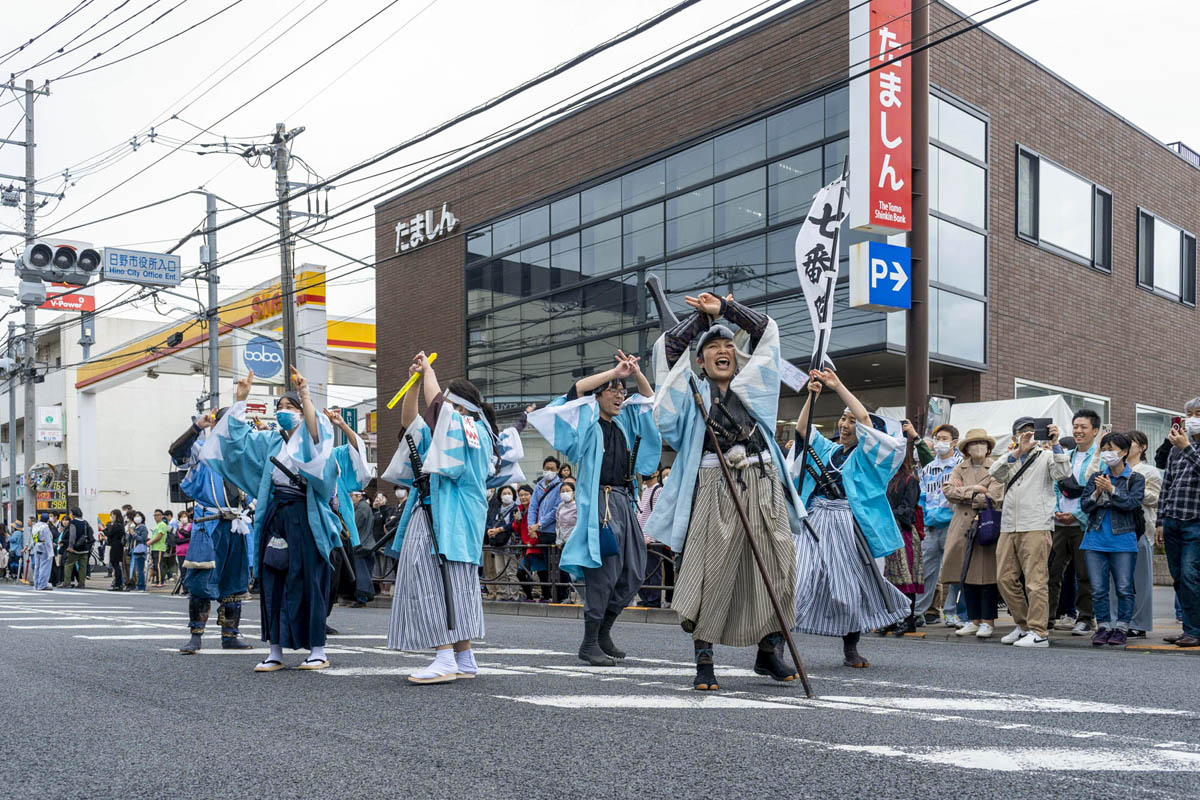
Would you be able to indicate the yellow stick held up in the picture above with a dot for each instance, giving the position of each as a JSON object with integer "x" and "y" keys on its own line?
{"x": 412, "y": 381}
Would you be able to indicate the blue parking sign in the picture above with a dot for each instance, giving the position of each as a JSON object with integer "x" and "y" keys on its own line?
{"x": 880, "y": 276}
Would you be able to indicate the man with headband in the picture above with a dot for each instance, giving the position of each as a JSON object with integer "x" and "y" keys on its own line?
{"x": 720, "y": 595}
{"x": 612, "y": 438}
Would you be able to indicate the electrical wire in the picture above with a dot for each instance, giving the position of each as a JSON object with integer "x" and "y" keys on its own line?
{"x": 63, "y": 52}
{"x": 6, "y": 57}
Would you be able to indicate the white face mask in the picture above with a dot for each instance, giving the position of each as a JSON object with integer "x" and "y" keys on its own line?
{"x": 942, "y": 448}
{"x": 568, "y": 496}
{"x": 1110, "y": 457}
{"x": 977, "y": 450}
{"x": 549, "y": 475}
{"x": 506, "y": 498}
{"x": 1192, "y": 424}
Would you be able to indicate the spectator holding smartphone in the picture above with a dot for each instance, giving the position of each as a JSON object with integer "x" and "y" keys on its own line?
{"x": 1112, "y": 500}
{"x": 1179, "y": 521}
{"x": 1069, "y": 524}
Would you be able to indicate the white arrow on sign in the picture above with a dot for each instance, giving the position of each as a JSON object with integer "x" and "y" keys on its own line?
{"x": 898, "y": 275}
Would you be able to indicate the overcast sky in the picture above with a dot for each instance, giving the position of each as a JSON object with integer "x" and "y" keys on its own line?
{"x": 416, "y": 64}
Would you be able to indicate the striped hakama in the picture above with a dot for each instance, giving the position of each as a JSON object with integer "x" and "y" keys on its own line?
{"x": 418, "y": 605}
{"x": 849, "y": 594}
{"x": 719, "y": 586}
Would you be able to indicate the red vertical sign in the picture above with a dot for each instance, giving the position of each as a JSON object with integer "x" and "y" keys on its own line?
{"x": 881, "y": 116}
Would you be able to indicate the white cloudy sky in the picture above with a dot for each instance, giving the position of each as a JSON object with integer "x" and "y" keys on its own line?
{"x": 416, "y": 64}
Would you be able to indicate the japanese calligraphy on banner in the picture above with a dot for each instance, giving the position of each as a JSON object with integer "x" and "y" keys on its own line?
{"x": 817, "y": 247}
{"x": 881, "y": 116}
{"x": 413, "y": 233}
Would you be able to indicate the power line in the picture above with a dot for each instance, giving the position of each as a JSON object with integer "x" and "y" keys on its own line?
{"x": 6, "y": 57}
{"x": 62, "y": 52}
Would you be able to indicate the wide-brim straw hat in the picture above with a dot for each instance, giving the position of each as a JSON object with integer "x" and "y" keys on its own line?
{"x": 976, "y": 435}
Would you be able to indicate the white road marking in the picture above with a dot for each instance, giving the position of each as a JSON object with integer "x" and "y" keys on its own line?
{"x": 356, "y": 636}
{"x": 1017, "y": 704}
{"x": 1040, "y": 759}
{"x": 686, "y": 701}
{"x": 254, "y": 651}
{"x": 727, "y": 672}
{"x": 74, "y": 627}
{"x": 35, "y": 619}
{"x": 362, "y": 672}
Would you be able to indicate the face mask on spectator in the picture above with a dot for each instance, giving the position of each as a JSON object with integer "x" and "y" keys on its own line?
{"x": 941, "y": 448}
{"x": 549, "y": 475}
{"x": 1110, "y": 457}
{"x": 568, "y": 496}
{"x": 977, "y": 450}
{"x": 1193, "y": 426}
{"x": 506, "y": 498}
{"x": 139, "y": 519}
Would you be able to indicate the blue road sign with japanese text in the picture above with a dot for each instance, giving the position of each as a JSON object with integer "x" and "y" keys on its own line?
{"x": 139, "y": 266}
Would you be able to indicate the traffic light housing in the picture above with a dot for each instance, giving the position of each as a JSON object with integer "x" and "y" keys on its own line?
{"x": 46, "y": 260}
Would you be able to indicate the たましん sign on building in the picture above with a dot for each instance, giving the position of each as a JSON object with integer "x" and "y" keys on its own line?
{"x": 881, "y": 116}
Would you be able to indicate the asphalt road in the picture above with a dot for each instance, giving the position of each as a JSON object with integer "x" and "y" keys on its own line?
{"x": 98, "y": 704}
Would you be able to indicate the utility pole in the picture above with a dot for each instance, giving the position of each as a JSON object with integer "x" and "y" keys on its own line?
{"x": 29, "y": 369}
{"x": 214, "y": 318}
{"x": 12, "y": 423}
{"x": 282, "y": 151}
{"x": 916, "y": 344}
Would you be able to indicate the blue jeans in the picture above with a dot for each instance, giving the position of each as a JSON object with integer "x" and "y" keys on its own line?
{"x": 1100, "y": 565}
{"x": 139, "y": 569}
{"x": 1182, "y": 542}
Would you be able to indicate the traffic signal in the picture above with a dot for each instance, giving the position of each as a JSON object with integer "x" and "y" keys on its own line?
{"x": 45, "y": 260}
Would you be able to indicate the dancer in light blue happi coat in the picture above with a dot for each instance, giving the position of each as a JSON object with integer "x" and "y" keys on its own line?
{"x": 295, "y": 527}
{"x": 850, "y": 595}
{"x": 602, "y": 430}
{"x": 456, "y": 445}
{"x": 720, "y": 595}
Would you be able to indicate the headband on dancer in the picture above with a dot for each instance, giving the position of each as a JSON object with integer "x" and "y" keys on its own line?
{"x": 451, "y": 397}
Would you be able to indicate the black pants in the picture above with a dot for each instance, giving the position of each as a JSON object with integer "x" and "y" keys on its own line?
{"x": 526, "y": 579}
{"x": 981, "y": 600}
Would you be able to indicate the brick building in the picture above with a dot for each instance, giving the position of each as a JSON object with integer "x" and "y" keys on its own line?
{"x": 1062, "y": 253}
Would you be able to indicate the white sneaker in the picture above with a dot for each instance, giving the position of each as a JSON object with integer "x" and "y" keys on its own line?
{"x": 1012, "y": 636}
{"x": 984, "y": 632}
{"x": 951, "y": 621}
{"x": 967, "y": 630}
{"x": 1063, "y": 623}
{"x": 1031, "y": 639}
{"x": 1082, "y": 629}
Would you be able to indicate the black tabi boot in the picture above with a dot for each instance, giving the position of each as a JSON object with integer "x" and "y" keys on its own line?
{"x": 909, "y": 625}
{"x": 197, "y": 619}
{"x": 706, "y": 679}
{"x": 769, "y": 662}
{"x": 590, "y": 650}
{"x": 604, "y": 636}
{"x": 230, "y": 638}
{"x": 852, "y": 658}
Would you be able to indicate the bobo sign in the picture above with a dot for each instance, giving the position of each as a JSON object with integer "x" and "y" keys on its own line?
{"x": 264, "y": 356}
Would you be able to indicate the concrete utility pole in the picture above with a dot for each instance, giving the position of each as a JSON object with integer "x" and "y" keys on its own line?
{"x": 214, "y": 319}
{"x": 12, "y": 424}
{"x": 916, "y": 338}
{"x": 30, "y": 356}
{"x": 282, "y": 152}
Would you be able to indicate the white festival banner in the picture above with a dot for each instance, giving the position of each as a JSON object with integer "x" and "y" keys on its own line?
{"x": 817, "y": 250}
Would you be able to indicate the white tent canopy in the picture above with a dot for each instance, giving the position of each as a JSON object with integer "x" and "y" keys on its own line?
{"x": 997, "y": 416}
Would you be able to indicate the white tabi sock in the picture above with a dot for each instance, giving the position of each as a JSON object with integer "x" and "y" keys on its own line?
{"x": 317, "y": 654}
{"x": 466, "y": 662}
{"x": 443, "y": 664}
{"x": 276, "y": 653}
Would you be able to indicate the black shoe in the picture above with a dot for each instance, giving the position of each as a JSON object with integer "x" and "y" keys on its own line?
{"x": 589, "y": 650}
{"x": 768, "y": 663}
{"x": 235, "y": 643}
{"x": 851, "y": 656}
{"x": 192, "y": 647}
{"x": 604, "y": 636}
{"x": 330, "y": 630}
{"x": 706, "y": 679}
{"x": 1135, "y": 634}
{"x": 358, "y": 604}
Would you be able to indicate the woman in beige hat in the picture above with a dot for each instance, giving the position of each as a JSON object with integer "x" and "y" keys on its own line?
{"x": 968, "y": 490}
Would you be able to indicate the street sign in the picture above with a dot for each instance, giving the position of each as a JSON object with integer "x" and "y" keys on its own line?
{"x": 139, "y": 266}
{"x": 264, "y": 356}
{"x": 49, "y": 424}
{"x": 880, "y": 277}
{"x": 351, "y": 417}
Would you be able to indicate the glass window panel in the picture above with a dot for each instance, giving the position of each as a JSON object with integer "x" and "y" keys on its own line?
{"x": 535, "y": 224}
{"x": 535, "y": 375}
{"x": 1064, "y": 209}
{"x": 961, "y": 130}
{"x": 535, "y": 324}
{"x": 854, "y": 328}
{"x": 1166, "y": 257}
{"x": 506, "y": 381}
{"x": 565, "y": 315}
{"x": 504, "y": 330}
{"x": 506, "y": 235}
{"x": 1145, "y": 249}
{"x": 643, "y": 185}
{"x": 536, "y": 261}
{"x": 479, "y": 244}
{"x": 479, "y": 288}
{"x": 506, "y": 281}
{"x": 739, "y": 148}
{"x": 934, "y": 177}
{"x": 690, "y": 220}
{"x": 739, "y": 204}
{"x": 740, "y": 268}
{"x": 1026, "y": 195}
{"x": 564, "y": 214}
{"x": 835, "y": 158}
{"x": 781, "y": 259}
{"x": 837, "y": 112}
{"x": 935, "y": 107}
{"x": 690, "y": 275}
{"x": 795, "y": 328}
{"x": 793, "y": 182}
{"x": 610, "y": 304}
{"x": 960, "y": 256}
{"x": 961, "y": 191}
{"x": 564, "y": 260}
{"x": 643, "y": 235}
{"x": 960, "y": 326}
{"x": 600, "y": 201}
{"x": 1189, "y": 269}
{"x": 478, "y": 340}
{"x": 692, "y": 166}
{"x": 1102, "y": 230}
{"x": 794, "y": 128}
{"x": 934, "y": 224}
{"x": 600, "y": 248}
{"x": 1074, "y": 401}
{"x": 598, "y": 354}
{"x": 1155, "y": 424}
